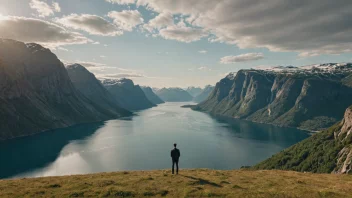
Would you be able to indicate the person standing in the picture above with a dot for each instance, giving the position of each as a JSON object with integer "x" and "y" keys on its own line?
{"x": 175, "y": 155}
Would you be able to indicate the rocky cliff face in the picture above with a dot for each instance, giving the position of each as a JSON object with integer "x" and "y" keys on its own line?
{"x": 91, "y": 87}
{"x": 36, "y": 93}
{"x": 311, "y": 100}
{"x": 128, "y": 95}
{"x": 152, "y": 97}
{"x": 344, "y": 137}
{"x": 329, "y": 151}
{"x": 174, "y": 95}
{"x": 204, "y": 94}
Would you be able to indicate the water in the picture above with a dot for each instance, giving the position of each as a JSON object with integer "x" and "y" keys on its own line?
{"x": 143, "y": 142}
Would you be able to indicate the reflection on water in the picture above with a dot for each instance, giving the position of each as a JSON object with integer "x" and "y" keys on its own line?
{"x": 144, "y": 142}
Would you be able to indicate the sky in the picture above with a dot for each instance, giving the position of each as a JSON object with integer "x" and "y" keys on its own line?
{"x": 181, "y": 43}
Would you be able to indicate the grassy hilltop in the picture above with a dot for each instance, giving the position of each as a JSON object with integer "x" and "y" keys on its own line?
{"x": 189, "y": 183}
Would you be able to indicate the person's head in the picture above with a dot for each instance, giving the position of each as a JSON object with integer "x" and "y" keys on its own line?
{"x": 175, "y": 145}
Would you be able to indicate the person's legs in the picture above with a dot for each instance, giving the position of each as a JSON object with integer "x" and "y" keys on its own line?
{"x": 173, "y": 164}
{"x": 176, "y": 166}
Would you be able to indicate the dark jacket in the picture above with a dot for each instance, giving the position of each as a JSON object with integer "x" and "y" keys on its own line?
{"x": 175, "y": 154}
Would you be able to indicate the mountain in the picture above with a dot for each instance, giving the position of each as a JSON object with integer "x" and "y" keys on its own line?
{"x": 36, "y": 93}
{"x": 128, "y": 95}
{"x": 174, "y": 95}
{"x": 92, "y": 88}
{"x": 311, "y": 98}
{"x": 324, "y": 152}
{"x": 194, "y": 91}
{"x": 152, "y": 97}
{"x": 204, "y": 94}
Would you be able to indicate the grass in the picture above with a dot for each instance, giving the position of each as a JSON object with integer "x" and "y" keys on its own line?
{"x": 189, "y": 183}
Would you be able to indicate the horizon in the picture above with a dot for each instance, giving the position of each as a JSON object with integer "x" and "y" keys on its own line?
{"x": 165, "y": 44}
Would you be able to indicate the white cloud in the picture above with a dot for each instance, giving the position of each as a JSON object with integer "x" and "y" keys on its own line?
{"x": 63, "y": 49}
{"x": 127, "y": 19}
{"x": 56, "y": 7}
{"x": 39, "y": 31}
{"x": 102, "y": 70}
{"x": 241, "y": 58}
{"x": 88, "y": 64}
{"x": 121, "y": 2}
{"x": 92, "y": 24}
{"x": 203, "y": 51}
{"x": 204, "y": 68}
{"x": 102, "y": 56}
{"x": 122, "y": 75}
{"x": 160, "y": 21}
{"x": 44, "y": 9}
{"x": 182, "y": 33}
{"x": 308, "y": 27}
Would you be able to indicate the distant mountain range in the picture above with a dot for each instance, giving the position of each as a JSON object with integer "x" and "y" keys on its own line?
{"x": 194, "y": 91}
{"x": 174, "y": 95}
{"x": 128, "y": 95}
{"x": 311, "y": 98}
{"x": 204, "y": 94}
{"x": 152, "y": 97}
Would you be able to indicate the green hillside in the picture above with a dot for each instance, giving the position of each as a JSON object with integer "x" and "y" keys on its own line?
{"x": 189, "y": 183}
{"x": 324, "y": 152}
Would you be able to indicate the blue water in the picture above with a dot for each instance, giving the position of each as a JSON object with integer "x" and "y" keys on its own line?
{"x": 143, "y": 142}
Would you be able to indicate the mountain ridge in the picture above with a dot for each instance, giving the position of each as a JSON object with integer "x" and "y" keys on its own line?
{"x": 280, "y": 98}
{"x": 37, "y": 94}
{"x": 174, "y": 94}
{"x": 148, "y": 91}
{"x": 91, "y": 87}
{"x": 128, "y": 95}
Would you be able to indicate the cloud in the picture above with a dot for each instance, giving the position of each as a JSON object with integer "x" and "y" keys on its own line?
{"x": 63, "y": 49}
{"x": 127, "y": 19}
{"x": 241, "y": 58}
{"x": 203, "y": 51}
{"x": 88, "y": 64}
{"x": 204, "y": 68}
{"x": 121, "y": 2}
{"x": 122, "y": 75}
{"x": 182, "y": 33}
{"x": 43, "y": 9}
{"x": 92, "y": 24}
{"x": 56, "y": 7}
{"x": 160, "y": 21}
{"x": 308, "y": 27}
{"x": 39, "y": 31}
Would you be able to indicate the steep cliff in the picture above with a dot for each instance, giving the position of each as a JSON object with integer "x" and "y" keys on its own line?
{"x": 297, "y": 99}
{"x": 91, "y": 87}
{"x": 152, "y": 97}
{"x": 202, "y": 96}
{"x": 325, "y": 152}
{"x": 174, "y": 95}
{"x": 128, "y": 95}
{"x": 36, "y": 93}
